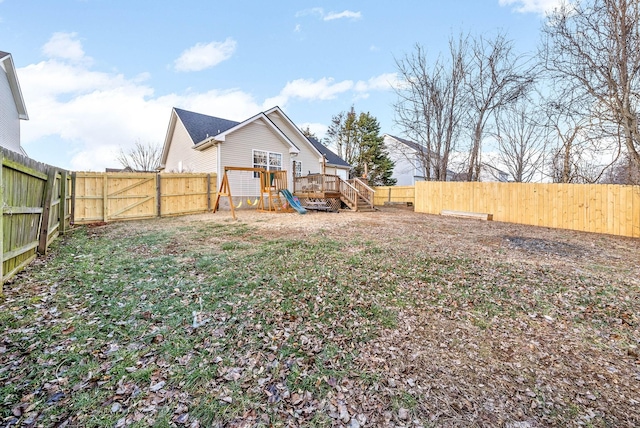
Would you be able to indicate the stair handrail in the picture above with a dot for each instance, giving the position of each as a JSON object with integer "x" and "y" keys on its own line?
{"x": 366, "y": 192}
{"x": 349, "y": 192}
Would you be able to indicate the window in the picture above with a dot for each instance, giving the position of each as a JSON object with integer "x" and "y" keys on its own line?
{"x": 267, "y": 160}
{"x": 297, "y": 169}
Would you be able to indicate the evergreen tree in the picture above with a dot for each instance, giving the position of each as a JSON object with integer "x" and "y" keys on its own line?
{"x": 357, "y": 140}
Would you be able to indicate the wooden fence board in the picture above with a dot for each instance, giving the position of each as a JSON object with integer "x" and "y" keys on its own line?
{"x": 30, "y": 210}
{"x": 127, "y": 196}
{"x": 611, "y": 209}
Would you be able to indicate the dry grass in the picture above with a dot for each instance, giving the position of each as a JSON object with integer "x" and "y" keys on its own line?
{"x": 374, "y": 319}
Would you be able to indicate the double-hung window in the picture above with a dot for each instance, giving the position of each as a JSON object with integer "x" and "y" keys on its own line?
{"x": 270, "y": 161}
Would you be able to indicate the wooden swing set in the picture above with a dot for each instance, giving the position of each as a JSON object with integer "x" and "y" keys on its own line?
{"x": 271, "y": 183}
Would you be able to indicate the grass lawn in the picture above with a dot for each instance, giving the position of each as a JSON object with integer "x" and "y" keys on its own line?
{"x": 375, "y": 319}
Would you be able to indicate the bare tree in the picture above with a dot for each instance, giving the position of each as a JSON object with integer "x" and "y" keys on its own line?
{"x": 522, "y": 140}
{"x": 141, "y": 157}
{"x": 342, "y": 134}
{"x": 431, "y": 103}
{"x": 495, "y": 79}
{"x": 592, "y": 47}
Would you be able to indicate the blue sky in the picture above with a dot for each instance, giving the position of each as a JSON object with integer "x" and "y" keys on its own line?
{"x": 99, "y": 75}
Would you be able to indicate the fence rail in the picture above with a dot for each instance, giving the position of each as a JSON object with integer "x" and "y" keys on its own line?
{"x": 105, "y": 197}
{"x": 394, "y": 194}
{"x": 35, "y": 209}
{"x": 599, "y": 208}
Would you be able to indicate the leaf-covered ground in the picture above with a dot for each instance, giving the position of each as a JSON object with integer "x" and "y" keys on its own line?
{"x": 380, "y": 319}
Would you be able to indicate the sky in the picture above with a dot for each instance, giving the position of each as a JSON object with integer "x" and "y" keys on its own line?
{"x": 97, "y": 76}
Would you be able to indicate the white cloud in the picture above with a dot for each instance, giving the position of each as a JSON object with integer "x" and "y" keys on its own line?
{"x": 327, "y": 88}
{"x": 344, "y": 14}
{"x": 318, "y": 11}
{"x": 65, "y": 46}
{"x": 382, "y": 82}
{"x": 84, "y": 116}
{"x": 319, "y": 129}
{"x": 534, "y": 6}
{"x": 313, "y": 11}
{"x": 92, "y": 114}
{"x": 203, "y": 56}
{"x": 322, "y": 89}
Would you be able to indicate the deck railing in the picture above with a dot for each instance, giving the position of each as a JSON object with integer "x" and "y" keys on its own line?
{"x": 316, "y": 183}
{"x": 364, "y": 190}
{"x": 354, "y": 192}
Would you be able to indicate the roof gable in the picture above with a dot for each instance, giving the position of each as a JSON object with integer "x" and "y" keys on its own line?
{"x": 411, "y": 144}
{"x": 200, "y": 126}
{"x": 7, "y": 61}
{"x": 206, "y": 130}
{"x": 331, "y": 157}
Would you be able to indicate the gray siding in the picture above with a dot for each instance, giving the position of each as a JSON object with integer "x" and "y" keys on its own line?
{"x": 9, "y": 120}
{"x": 309, "y": 158}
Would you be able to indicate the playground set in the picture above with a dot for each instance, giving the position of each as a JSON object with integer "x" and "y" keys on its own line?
{"x": 267, "y": 191}
{"x": 272, "y": 194}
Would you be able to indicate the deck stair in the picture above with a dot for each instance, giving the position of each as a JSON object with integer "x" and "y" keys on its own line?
{"x": 354, "y": 193}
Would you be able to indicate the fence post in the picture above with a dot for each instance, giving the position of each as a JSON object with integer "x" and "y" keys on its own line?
{"x": 46, "y": 211}
{"x": 208, "y": 192}
{"x": 159, "y": 194}
{"x": 72, "y": 219}
{"x": 105, "y": 197}
{"x": 389, "y": 193}
{"x": 62, "y": 227}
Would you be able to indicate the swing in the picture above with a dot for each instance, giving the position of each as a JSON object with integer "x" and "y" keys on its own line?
{"x": 254, "y": 203}
{"x": 239, "y": 204}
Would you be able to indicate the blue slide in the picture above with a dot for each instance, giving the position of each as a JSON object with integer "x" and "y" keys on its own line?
{"x": 293, "y": 201}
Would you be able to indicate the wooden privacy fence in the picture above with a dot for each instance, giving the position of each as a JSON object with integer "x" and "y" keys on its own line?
{"x": 104, "y": 197}
{"x": 36, "y": 208}
{"x": 394, "y": 194}
{"x": 599, "y": 208}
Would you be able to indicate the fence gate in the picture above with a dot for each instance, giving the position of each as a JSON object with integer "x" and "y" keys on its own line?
{"x": 119, "y": 196}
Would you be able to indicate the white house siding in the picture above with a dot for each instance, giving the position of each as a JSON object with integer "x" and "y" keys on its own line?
{"x": 238, "y": 149}
{"x": 404, "y": 170}
{"x": 183, "y": 158}
{"x": 9, "y": 120}
{"x": 308, "y": 156}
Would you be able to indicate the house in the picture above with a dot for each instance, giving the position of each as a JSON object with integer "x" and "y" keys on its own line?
{"x": 488, "y": 173}
{"x": 408, "y": 157}
{"x": 270, "y": 140}
{"x": 12, "y": 106}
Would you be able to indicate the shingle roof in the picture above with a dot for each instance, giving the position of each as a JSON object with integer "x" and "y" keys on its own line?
{"x": 415, "y": 146}
{"x": 332, "y": 158}
{"x": 200, "y": 126}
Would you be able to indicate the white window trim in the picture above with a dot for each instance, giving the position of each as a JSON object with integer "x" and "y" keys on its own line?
{"x": 268, "y": 153}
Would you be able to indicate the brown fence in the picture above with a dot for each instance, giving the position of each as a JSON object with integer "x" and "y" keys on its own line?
{"x": 394, "y": 194}
{"x": 599, "y": 208}
{"x": 104, "y": 197}
{"x": 35, "y": 209}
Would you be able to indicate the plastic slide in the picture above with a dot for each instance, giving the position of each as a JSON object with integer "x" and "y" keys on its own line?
{"x": 293, "y": 201}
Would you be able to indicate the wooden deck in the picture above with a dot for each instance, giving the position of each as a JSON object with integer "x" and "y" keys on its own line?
{"x": 356, "y": 194}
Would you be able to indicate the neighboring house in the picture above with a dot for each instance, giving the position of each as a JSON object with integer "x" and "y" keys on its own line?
{"x": 408, "y": 161}
{"x": 12, "y": 107}
{"x": 407, "y": 156}
{"x": 491, "y": 173}
{"x": 488, "y": 173}
{"x": 199, "y": 143}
